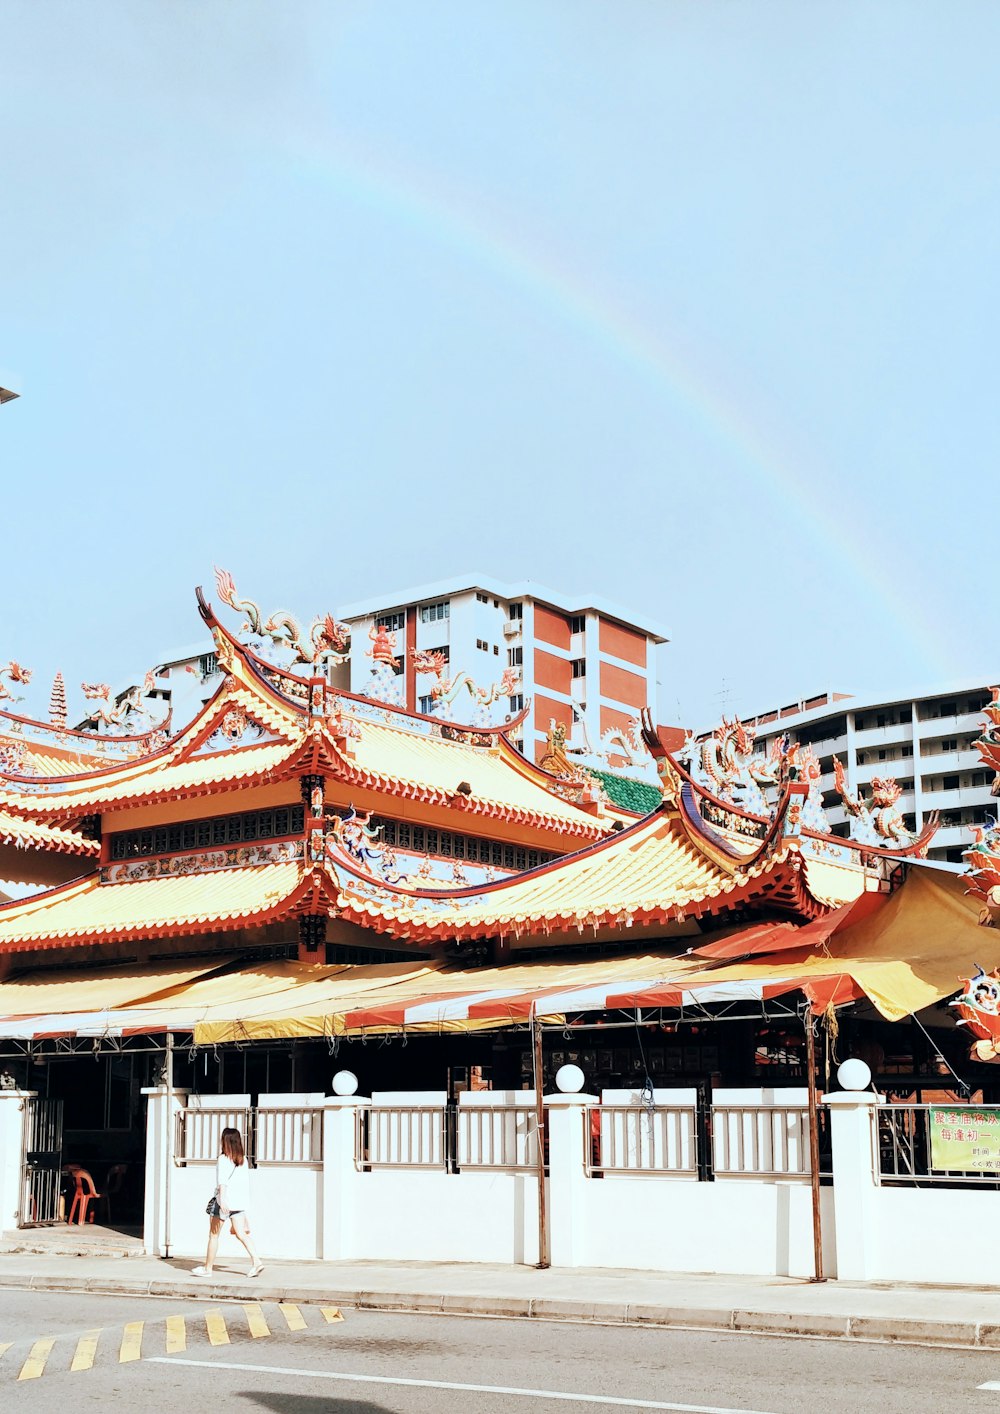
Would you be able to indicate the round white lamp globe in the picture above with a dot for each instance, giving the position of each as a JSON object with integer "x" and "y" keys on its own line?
{"x": 345, "y": 1083}
{"x": 853, "y": 1074}
{"x": 569, "y": 1079}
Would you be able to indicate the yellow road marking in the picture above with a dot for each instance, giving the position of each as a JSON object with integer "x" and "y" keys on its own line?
{"x": 255, "y": 1320}
{"x": 332, "y": 1313}
{"x": 131, "y": 1342}
{"x": 176, "y": 1334}
{"x": 294, "y": 1318}
{"x": 35, "y": 1363}
{"x": 4, "y": 1347}
{"x": 86, "y": 1349}
{"x": 216, "y": 1323}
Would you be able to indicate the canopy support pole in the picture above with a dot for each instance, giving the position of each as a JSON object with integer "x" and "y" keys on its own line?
{"x": 168, "y": 1078}
{"x": 537, "y": 1067}
{"x": 817, "y": 1221}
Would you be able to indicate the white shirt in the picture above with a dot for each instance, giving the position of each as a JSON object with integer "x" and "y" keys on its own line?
{"x": 236, "y": 1178}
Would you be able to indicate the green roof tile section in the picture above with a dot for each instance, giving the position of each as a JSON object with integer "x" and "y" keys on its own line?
{"x": 629, "y": 794}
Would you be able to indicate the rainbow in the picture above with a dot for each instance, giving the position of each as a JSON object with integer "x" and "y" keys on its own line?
{"x": 619, "y": 335}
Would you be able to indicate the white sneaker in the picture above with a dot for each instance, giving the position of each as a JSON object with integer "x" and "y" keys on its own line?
{"x": 201, "y": 1272}
{"x": 256, "y": 1270}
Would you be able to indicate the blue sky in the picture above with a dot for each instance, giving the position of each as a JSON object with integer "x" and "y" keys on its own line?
{"x": 691, "y": 305}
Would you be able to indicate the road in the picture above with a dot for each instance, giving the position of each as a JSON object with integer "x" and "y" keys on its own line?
{"x": 83, "y": 1351}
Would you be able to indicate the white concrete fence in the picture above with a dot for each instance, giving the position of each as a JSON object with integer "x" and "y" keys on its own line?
{"x": 406, "y": 1177}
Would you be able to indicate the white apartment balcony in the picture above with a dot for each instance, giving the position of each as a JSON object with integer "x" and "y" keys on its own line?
{"x": 975, "y": 797}
{"x": 900, "y": 769}
{"x": 953, "y": 837}
{"x": 930, "y": 727}
{"x": 829, "y": 746}
{"x": 946, "y": 763}
{"x": 883, "y": 736}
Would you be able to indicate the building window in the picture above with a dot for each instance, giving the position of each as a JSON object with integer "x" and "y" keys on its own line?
{"x": 482, "y": 645}
{"x": 430, "y": 613}
{"x": 517, "y": 702}
{"x": 394, "y": 623}
{"x": 579, "y": 666}
{"x": 949, "y": 744}
{"x": 577, "y": 623}
{"x": 444, "y": 650}
{"x": 496, "y": 650}
{"x": 950, "y": 783}
{"x": 482, "y": 598}
{"x": 208, "y": 665}
{"x": 426, "y": 705}
{"x": 515, "y": 657}
{"x": 207, "y": 834}
{"x": 515, "y": 611}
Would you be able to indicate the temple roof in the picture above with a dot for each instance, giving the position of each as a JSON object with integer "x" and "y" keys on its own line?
{"x": 89, "y": 911}
{"x": 265, "y": 725}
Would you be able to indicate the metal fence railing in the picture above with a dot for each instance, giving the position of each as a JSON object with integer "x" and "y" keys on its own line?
{"x": 282, "y": 1135}
{"x": 496, "y": 1137}
{"x": 403, "y": 1136}
{"x": 753, "y": 1141}
{"x": 653, "y": 1139}
{"x": 903, "y": 1135}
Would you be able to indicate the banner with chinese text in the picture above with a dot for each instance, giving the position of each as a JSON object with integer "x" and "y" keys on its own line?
{"x": 965, "y": 1140}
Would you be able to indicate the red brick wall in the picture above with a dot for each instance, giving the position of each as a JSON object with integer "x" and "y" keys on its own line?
{"x": 623, "y": 686}
{"x": 622, "y": 643}
{"x": 551, "y": 627}
{"x": 554, "y": 673}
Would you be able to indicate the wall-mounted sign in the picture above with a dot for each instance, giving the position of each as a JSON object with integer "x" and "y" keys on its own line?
{"x": 965, "y": 1140}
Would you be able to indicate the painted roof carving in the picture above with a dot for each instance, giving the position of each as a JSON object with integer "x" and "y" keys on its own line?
{"x": 266, "y": 723}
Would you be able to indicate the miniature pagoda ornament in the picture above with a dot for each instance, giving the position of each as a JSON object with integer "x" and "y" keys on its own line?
{"x": 57, "y": 702}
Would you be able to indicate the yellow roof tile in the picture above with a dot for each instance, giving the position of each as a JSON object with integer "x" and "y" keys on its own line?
{"x": 436, "y": 764}
{"x": 186, "y": 903}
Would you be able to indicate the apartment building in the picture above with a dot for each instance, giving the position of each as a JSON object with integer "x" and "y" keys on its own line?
{"x": 927, "y": 742}
{"x": 585, "y": 663}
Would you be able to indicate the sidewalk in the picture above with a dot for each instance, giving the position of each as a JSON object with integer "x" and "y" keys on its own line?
{"x": 766, "y": 1305}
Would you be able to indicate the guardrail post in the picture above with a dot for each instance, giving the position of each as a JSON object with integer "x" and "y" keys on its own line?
{"x": 855, "y": 1182}
{"x": 341, "y": 1177}
{"x": 568, "y": 1136}
{"x": 161, "y": 1120}
{"x": 11, "y": 1146}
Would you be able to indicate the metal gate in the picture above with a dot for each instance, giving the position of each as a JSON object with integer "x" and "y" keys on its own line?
{"x": 41, "y": 1165}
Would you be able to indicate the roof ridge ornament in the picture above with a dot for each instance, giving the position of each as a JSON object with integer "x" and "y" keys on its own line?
{"x": 14, "y": 673}
{"x": 325, "y": 640}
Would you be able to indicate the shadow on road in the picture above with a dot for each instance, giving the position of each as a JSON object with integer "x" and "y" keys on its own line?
{"x": 313, "y": 1404}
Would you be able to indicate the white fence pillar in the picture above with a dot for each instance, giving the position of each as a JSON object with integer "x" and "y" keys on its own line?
{"x": 567, "y": 1124}
{"x": 341, "y": 1176}
{"x": 11, "y": 1146}
{"x": 161, "y": 1114}
{"x": 855, "y": 1182}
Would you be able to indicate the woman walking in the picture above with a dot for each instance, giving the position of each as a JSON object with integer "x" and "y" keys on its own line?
{"x": 231, "y": 1200}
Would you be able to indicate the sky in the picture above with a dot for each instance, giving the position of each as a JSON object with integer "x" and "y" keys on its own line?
{"x": 691, "y": 304}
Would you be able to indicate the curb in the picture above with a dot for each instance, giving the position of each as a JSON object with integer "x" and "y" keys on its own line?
{"x": 881, "y": 1329}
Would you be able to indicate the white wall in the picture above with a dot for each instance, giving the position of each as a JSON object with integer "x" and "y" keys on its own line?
{"x": 11, "y": 1139}
{"x": 285, "y": 1213}
{"x": 404, "y": 1215}
{"x": 737, "y": 1227}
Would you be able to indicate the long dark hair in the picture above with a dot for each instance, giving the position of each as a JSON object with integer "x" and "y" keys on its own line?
{"x": 232, "y": 1146}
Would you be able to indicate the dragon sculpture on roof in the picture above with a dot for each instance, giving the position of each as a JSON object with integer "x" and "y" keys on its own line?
{"x": 121, "y": 716}
{"x": 725, "y": 764}
{"x": 14, "y": 673}
{"x": 324, "y": 640}
{"x": 983, "y": 856}
{"x": 878, "y": 821}
{"x": 447, "y": 692}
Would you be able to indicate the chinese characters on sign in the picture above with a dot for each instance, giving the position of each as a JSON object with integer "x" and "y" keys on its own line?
{"x": 965, "y": 1140}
